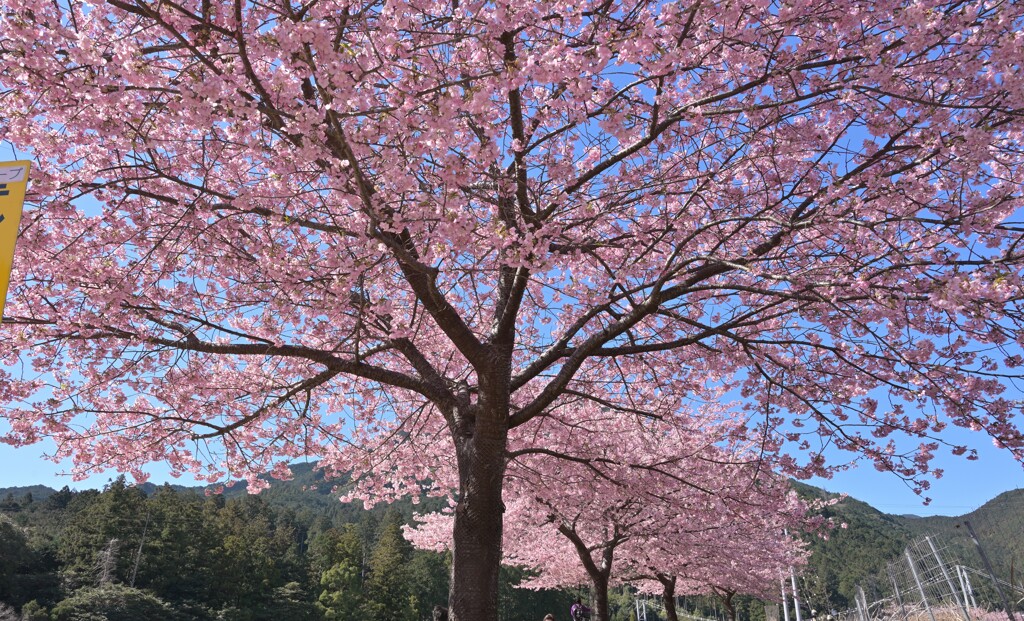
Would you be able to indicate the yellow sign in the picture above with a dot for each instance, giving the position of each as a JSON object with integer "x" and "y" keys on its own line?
{"x": 13, "y": 181}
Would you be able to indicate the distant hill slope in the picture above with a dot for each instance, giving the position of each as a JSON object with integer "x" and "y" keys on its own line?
{"x": 307, "y": 493}
{"x": 38, "y": 492}
{"x": 856, "y": 555}
{"x": 853, "y": 555}
{"x": 999, "y": 524}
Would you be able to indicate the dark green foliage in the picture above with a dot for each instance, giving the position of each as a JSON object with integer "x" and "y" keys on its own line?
{"x": 291, "y": 602}
{"x": 389, "y": 597}
{"x": 114, "y": 602}
{"x": 15, "y": 554}
{"x": 341, "y": 595}
{"x": 852, "y": 555}
{"x": 27, "y": 565}
{"x": 428, "y": 577}
{"x": 293, "y": 553}
{"x": 208, "y": 557}
{"x": 105, "y": 524}
{"x": 336, "y": 556}
{"x": 175, "y": 558}
{"x": 375, "y": 575}
{"x": 256, "y": 552}
{"x": 296, "y": 553}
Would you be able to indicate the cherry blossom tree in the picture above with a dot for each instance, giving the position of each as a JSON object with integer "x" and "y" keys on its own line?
{"x": 655, "y": 502}
{"x": 577, "y": 515}
{"x": 686, "y": 545}
{"x": 266, "y": 229}
{"x": 746, "y": 556}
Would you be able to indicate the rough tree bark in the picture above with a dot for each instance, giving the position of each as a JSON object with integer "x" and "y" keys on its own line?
{"x": 668, "y": 596}
{"x": 476, "y": 547}
{"x": 599, "y": 574}
{"x": 481, "y": 437}
{"x": 725, "y": 596}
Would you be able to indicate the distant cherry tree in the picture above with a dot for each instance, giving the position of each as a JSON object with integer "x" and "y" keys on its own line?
{"x": 666, "y": 505}
{"x": 264, "y": 230}
{"x": 691, "y": 515}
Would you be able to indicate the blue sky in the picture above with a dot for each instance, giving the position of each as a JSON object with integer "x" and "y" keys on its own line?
{"x": 27, "y": 466}
{"x": 965, "y": 486}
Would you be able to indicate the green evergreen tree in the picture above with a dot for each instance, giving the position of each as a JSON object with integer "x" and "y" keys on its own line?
{"x": 342, "y": 595}
{"x": 10, "y": 504}
{"x": 428, "y": 577}
{"x": 389, "y": 597}
{"x": 245, "y": 561}
{"x": 175, "y": 558}
{"x": 337, "y": 563}
{"x": 258, "y": 552}
{"x": 115, "y": 514}
{"x": 291, "y": 602}
{"x": 34, "y": 611}
{"x": 114, "y": 602}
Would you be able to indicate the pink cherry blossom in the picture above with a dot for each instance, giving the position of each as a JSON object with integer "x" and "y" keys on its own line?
{"x": 424, "y": 240}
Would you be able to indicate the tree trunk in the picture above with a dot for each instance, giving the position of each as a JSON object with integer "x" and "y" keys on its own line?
{"x": 476, "y": 538}
{"x": 599, "y": 598}
{"x": 599, "y": 574}
{"x": 726, "y": 598}
{"x": 668, "y": 596}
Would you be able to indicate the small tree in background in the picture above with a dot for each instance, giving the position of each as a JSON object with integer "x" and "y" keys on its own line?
{"x": 661, "y": 504}
{"x": 387, "y": 583}
{"x": 113, "y": 602}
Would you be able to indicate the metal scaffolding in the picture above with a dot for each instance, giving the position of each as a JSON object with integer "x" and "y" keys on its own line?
{"x": 928, "y": 583}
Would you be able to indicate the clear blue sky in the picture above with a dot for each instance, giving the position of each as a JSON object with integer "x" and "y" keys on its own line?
{"x": 27, "y": 465}
{"x": 965, "y": 486}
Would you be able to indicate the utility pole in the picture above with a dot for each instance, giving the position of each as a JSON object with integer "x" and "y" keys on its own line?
{"x": 785, "y": 599}
{"x": 796, "y": 598}
{"x": 138, "y": 553}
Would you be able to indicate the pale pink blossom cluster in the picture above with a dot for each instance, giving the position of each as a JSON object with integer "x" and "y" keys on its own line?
{"x": 645, "y": 502}
{"x": 411, "y": 237}
{"x": 834, "y": 179}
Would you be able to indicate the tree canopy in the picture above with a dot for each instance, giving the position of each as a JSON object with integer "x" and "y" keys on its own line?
{"x": 264, "y": 230}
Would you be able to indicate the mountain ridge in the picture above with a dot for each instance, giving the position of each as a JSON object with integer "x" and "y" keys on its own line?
{"x": 847, "y": 558}
{"x": 857, "y": 554}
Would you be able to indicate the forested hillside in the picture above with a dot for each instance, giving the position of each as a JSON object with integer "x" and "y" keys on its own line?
{"x": 295, "y": 553}
{"x": 167, "y": 554}
{"x": 999, "y": 524}
{"x": 851, "y": 555}
{"x": 858, "y": 553}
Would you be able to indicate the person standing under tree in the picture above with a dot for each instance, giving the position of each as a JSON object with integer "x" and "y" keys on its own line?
{"x": 578, "y": 611}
